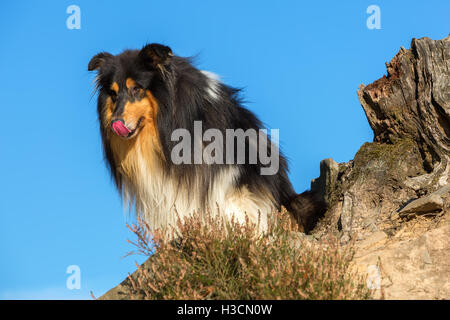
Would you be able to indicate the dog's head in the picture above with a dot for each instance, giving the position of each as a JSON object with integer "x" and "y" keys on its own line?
{"x": 125, "y": 81}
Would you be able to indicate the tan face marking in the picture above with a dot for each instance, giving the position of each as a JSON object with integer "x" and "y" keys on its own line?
{"x": 108, "y": 112}
{"x": 146, "y": 140}
{"x": 137, "y": 115}
{"x": 130, "y": 83}
{"x": 115, "y": 87}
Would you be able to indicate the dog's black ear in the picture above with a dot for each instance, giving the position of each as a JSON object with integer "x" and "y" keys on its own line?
{"x": 97, "y": 60}
{"x": 156, "y": 55}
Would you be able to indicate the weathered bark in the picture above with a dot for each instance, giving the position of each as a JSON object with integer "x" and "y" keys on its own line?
{"x": 394, "y": 197}
{"x": 409, "y": 112}
{"x": 413, "y": 101}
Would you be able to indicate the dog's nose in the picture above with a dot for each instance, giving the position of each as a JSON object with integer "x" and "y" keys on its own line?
{"x": 119, "y": 128}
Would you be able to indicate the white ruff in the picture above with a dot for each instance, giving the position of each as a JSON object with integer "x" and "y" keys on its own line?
{"x": 156, "y": 196}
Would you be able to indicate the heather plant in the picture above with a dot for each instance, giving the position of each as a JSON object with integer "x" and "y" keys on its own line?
{"x": 206, "y": 257}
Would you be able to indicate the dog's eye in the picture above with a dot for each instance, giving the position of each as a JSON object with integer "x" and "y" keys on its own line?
{"x": 135, "y": 90}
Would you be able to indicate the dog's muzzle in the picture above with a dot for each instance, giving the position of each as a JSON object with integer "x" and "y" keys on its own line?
{"x": 120, "y": 129}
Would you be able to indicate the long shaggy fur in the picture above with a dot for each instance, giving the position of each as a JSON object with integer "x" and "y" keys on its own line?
{"x": 151, "y": 93}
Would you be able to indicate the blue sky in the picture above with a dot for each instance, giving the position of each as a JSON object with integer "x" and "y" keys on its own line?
{"x": 300, "y": 63}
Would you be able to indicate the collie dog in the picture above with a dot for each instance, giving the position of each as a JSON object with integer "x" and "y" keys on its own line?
{"x": 144, "y": 97}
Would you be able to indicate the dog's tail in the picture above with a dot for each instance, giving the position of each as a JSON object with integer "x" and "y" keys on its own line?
{"x": 306, "y": 209}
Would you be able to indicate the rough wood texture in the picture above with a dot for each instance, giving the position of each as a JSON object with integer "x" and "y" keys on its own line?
{"x": 394, "y": 197}
{"x": 413, "y": 101}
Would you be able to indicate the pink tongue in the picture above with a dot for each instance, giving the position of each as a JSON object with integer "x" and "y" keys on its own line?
{"x": 120, "y": 129}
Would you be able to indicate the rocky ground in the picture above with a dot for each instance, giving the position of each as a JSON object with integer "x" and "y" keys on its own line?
{"x": 392, "y": 201}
